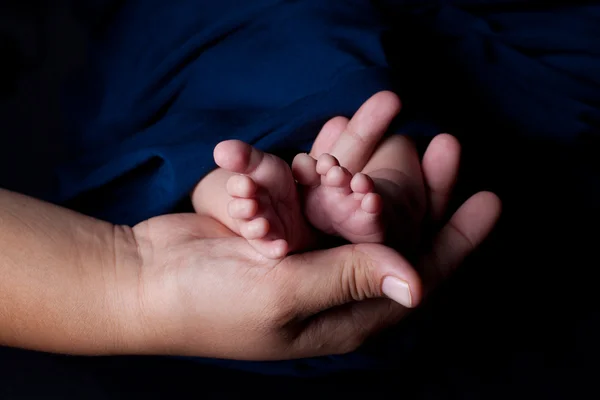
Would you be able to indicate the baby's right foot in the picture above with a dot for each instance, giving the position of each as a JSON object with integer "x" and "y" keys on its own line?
{"x": 338, "y": 203}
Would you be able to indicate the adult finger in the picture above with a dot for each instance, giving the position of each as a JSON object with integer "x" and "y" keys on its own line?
{"x": 341, "y": 275}
{"x": 463, "y": 233}
{"x": 345, "y": 294}
{"x": 396, "y": 152}
{"x": 328, "y": 135}
{"x": 440, "y": 170}
{"x": 364, "y": 131}
{"x": 343, "y": 329}
{"x": 396, "y": 160}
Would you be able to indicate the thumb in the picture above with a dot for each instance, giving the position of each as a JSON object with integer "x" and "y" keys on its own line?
{"x": 351, "y": 273}
{"x": 343, "y": 295}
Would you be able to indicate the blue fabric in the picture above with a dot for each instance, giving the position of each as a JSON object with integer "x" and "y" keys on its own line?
{"x": 165, "y": 81}
{"x": 158, "y": 97}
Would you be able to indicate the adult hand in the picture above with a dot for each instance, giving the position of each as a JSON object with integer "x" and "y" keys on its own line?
{"x": 426, "y": 185}
{"x": 214, "y": 297}
{"x": 204, "y": 292}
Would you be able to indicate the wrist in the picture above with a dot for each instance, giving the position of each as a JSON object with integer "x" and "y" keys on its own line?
{"x": 123, "y": 291}
{"x": 68, "y": 281}
{"x": 142, "y": 298}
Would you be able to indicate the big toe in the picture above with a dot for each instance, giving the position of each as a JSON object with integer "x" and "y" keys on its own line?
{"x": 273, "y": 249}
{"x": 236, "y": 156}
{"x": 304, "y": 169}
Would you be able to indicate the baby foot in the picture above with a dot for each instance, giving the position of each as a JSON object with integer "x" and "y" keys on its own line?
{"x": 265, "y": 203}
{"x": 337, "y": 202}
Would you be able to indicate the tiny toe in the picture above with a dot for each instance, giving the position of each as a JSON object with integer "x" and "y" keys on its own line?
{"x": 279, "y": 248}
{"x": 338, "y": 177}
{"x": 273, "y": 249}
{"x": 361, "y": 183}
{"x": 242, "y": 208}
{"x": 325, "y": 163}
{"x": 304, "y": 169}
{"x": 255, "y": 229}
{"x": 371, "y": 203}
{"x": 237, "y": 156}
{"x": 241, "y": 186}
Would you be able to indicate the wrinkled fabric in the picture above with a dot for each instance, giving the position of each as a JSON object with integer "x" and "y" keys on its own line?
{"x": 165, "y": 82}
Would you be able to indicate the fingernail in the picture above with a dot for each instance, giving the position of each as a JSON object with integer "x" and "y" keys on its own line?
{"x": 397, "y": 290}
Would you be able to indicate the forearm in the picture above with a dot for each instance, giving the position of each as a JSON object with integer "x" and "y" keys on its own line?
{"x": 63, "y": 279}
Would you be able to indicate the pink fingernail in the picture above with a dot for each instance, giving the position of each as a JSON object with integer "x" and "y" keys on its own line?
{"x": 397, "y": 290}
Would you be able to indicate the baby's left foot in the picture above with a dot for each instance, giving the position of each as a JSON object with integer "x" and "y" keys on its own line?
{"x": 264, "y": 201}
{"x": 338, "y": 203}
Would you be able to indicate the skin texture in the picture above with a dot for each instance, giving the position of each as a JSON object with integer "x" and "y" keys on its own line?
{"x": 185, "y": 284}
{"x": 64, "y": 279}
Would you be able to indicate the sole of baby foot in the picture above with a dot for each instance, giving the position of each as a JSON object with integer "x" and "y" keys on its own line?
{"x": 265, "y": 202}
{"x": 343, "y": 204}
